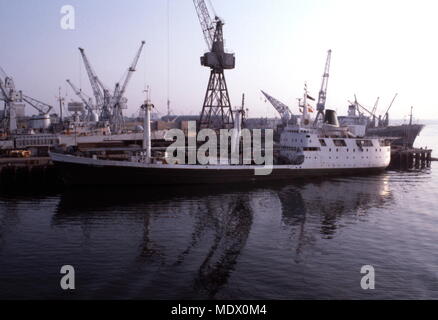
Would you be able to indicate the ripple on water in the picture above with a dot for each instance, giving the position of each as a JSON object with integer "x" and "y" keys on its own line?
{"x": 305, "y": 240}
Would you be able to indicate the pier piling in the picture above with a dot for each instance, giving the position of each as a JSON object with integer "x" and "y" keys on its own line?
{"x": 406, "y": 159}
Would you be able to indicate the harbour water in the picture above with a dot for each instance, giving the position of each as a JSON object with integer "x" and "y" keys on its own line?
{"x": 303, "y": 240}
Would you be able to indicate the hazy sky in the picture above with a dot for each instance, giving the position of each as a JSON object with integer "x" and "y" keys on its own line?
{"x": 379, "y": 48}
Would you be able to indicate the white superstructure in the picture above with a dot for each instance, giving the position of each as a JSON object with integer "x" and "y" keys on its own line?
{"x": 331, "y": 148}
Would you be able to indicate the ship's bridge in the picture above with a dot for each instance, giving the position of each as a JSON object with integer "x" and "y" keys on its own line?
{"x": 298, "y": 137}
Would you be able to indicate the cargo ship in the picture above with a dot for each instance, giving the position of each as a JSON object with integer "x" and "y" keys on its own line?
{"x": 303, "y": 151}
{"x": 404, "y": 135}
{"x": 361, "y": 125}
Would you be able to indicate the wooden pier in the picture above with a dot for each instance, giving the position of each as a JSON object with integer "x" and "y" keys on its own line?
{"x": 406, "y": 159}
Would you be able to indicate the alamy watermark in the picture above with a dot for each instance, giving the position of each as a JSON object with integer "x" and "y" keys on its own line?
{"x": 68, "y": 281}
{"x": 68, "y": 18}
{"x": 368, "y": 281}
{"x": 246, "y": 148}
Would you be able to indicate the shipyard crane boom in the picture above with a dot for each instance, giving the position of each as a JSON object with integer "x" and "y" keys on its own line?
{"x": 216, "y": 110}
{"x": 206, "y": 22}
{"x": 80, "y": 94}
{"x": 385, "y": 121}
{"x": 390, "y": 106}
{"x": 41, "y": 107}
{"x": 7, "y": 88}
{"x": 119, "y": 91}
{"x": 365, "y": 109}
{"x": 281, "y": 108}
{"x": 375, "y": 105}
{"x": 322, "y": 98}
{"x": 3, "y": 93}
{"x": 94, "y": 80}
{"x": 100, "y": 92}
{"x": 115, "y": 94}
{"x": 3, "y": 74}
{"x": 131, "y": 70}
{"x": 357, "y": 104}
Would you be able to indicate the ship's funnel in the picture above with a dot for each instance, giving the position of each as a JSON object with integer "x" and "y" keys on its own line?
{"x": 331, "y": 118}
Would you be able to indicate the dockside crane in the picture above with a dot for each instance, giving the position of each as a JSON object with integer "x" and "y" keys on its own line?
{"x": 3, "y": 76}
{"x": 14, "y": 98}
{"x": 216, "y": 109}
{"x": 8, "y": 93}
{"x": 42, "y": 108}
{"x": 3, "y": 92}
{"x": 117, "y": 104}
{"x": 373, "y": 121}
{"x": 10, "y": 96}
{"x": 376, "y": 105}
{"x": 359, "y": 107}
{"x": 322, "y": 98}
{"x": 385, "y": 121}
{"x": 87, "y": 103}
{"x": 100, "y": 92}
{"x": 4, "y": 96}
{"x": 281, "y": 108}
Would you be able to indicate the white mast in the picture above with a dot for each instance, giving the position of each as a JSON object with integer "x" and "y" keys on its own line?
{"x": 147, "y": 131}
{"x": 304, "y": 120}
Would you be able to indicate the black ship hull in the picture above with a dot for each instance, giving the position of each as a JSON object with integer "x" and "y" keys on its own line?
{"x": 404, "y": 135}
{"x": 84, "y": 174}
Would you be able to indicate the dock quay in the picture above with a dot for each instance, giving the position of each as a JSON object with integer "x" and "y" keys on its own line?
{"x": 27, "y": 172}
{"x": 410, "y": 158}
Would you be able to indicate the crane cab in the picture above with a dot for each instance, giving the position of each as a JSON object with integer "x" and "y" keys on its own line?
{"x": 222, "y": 60}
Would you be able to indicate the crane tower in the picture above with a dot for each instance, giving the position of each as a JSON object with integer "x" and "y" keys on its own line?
{"x": 216, "y": 110}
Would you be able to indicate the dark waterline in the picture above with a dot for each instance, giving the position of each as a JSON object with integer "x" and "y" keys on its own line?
{"x": 305, "y": 240}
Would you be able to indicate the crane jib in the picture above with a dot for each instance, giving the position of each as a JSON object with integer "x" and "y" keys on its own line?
{"x": 119, "y": 92}
{"x": 207, "y": 24}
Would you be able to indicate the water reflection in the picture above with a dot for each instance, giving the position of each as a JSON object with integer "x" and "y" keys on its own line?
{"x": 232, "y": 228}
{"x": 320, "y": 208}
{"x": 11, "y": 204}
{"x": 217, "y": 219}
{"x": 8, "y": 217}
{"x": 330, "y": 200}
{"x": 199, "y": 233}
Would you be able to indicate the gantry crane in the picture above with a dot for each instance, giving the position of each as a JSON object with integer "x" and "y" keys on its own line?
{"x": 322, "y": 98}
{"x": 216, "y": 110}
{"x": 281, "y": 108}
